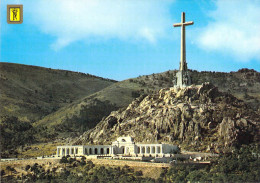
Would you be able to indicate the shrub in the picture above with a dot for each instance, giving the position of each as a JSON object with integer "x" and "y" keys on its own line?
{"x": 27, "y": 167}
{"x": 138, "y": 173}
{"x": 64, "y": 160}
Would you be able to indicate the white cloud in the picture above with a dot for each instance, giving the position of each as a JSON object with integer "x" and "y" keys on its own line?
{"x": 76, "y": 20}
{"x": 235, "y": 29}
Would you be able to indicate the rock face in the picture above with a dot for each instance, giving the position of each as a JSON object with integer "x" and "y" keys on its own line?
{"x": 197, "y": 118}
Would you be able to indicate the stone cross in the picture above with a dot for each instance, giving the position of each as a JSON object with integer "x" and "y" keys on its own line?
{"x": 183, "y": 64}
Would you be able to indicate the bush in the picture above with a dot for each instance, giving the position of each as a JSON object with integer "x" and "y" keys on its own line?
{"x": 27, "y": 167}
{"x": 64, "y": 160}
{"x": 2, "y": 172}
{"x": 138, "y": 173}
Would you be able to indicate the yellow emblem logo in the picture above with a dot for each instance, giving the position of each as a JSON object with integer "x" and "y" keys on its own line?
{"x": 15, "y": 14}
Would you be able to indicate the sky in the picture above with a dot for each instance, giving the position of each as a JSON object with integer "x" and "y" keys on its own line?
{"x": 122, "y": 39}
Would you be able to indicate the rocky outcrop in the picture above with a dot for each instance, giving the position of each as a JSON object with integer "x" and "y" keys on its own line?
{"x": 197, "y": 118}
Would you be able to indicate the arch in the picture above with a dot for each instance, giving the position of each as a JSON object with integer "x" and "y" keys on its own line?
{"x": 63, "y": 151}
{"x": 86, "y": 151}
{"x": 123, "y": 149}
{"x": 101, "y": 151}
{"x": 143, "y": 150}
{"x": 77, "y": 151}
{"x": 67, "y": 151}
{"x": 158, "y": 149}
{"x": 148, "y": 150}
{"x": 153, "y": 149}
{"x": 90, "y": 150}
{"x": 72, "y": 150}
{"x": 123, "y": 140}
{"x": 107, "y": 150}
{"x": 96, "y": 151}
{"x": 138, "y": 150}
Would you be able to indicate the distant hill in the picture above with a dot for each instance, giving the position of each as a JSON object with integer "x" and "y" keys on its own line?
{"x": 30, "y": 92}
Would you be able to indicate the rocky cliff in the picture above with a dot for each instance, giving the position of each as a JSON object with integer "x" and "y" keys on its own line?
{"x": 197, "y": 118}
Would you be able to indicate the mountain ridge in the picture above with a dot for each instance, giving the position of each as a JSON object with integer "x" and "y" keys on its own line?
{"x": 38, "y": 91}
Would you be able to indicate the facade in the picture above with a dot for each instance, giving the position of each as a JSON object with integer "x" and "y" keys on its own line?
{"x": 122, "y": 146}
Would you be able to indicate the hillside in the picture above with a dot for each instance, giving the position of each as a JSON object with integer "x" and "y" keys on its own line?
{"x": 198, "y": 118}
{"x": 30, "y": 92}
{"x": 44, "y": 104}
{"x": 87, "y": 112}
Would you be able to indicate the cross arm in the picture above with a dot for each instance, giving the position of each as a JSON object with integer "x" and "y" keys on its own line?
{"x": 189, "y": 23}
{"x": 183, "y": 24}
{"x": 177, "y": 25}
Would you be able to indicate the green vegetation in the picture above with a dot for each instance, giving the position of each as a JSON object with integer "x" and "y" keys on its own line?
{"x": 240, "y": 166}
{"x": 88, "y": 116}
{"x": 17, "y": 136}
{"x": 12, "y": 131}
{"x": 37, "y": 150}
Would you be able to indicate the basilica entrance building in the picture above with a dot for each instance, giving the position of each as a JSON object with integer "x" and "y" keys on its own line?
{"x": 122, "y": 146}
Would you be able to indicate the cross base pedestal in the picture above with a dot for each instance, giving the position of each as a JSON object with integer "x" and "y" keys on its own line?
{"x": 182, "y": 79}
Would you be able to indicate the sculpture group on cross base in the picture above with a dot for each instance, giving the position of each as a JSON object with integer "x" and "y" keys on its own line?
{"x": 174, "y": 81}
{"x": 185, "y": 79}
